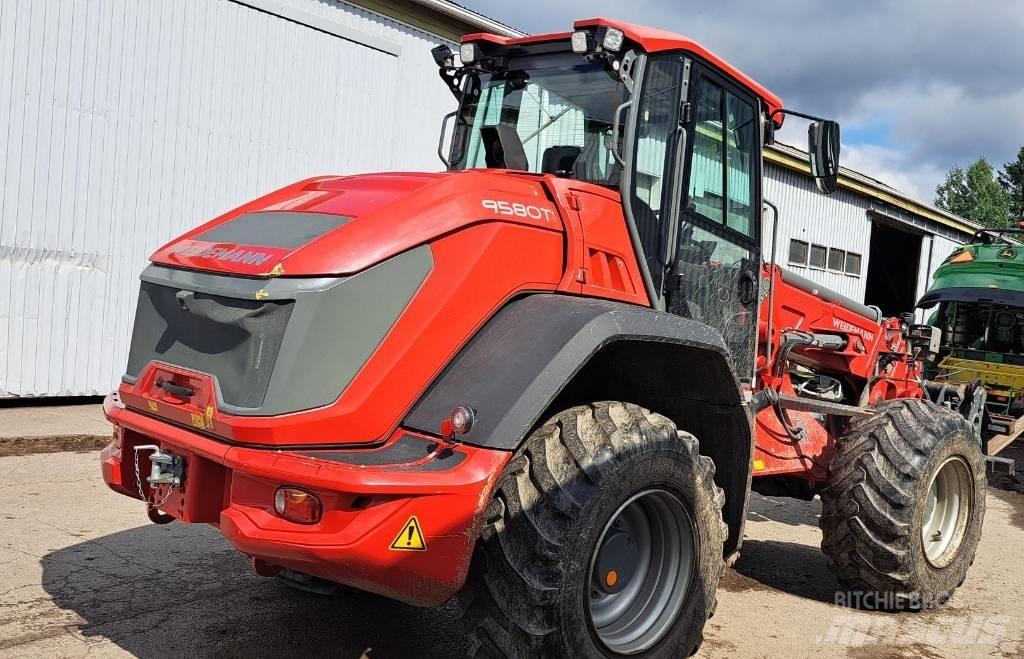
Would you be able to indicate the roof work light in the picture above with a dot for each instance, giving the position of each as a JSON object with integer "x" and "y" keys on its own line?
{"x": 469, "y": 53}
{"x": 613, "y": 39}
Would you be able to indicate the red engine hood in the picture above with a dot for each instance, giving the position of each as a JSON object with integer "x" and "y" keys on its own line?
{"x": 390, "y": 214}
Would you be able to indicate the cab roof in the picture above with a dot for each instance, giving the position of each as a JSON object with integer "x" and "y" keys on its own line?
{"x": 652, "y": 40}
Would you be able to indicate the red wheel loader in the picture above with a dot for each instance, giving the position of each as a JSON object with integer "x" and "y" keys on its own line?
{"x": 545, "y": 378}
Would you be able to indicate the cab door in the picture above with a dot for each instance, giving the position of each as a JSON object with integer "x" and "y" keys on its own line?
{"x": 714, "y": 276}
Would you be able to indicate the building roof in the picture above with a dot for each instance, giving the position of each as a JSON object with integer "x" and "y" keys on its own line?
{"x": 797, "y": 159}
{"x": 475, "y": 19}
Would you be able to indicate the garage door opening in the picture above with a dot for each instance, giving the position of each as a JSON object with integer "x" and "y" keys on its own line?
{"x": 891, "y": 282}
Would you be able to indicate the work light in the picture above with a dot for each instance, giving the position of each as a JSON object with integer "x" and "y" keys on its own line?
{"x": 579, "y": 42}
{"x": 612, "y": 39}
{"x": 469, "y": 53}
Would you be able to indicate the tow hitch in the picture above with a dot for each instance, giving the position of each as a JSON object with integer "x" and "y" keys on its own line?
{"x": 165, "y": 469}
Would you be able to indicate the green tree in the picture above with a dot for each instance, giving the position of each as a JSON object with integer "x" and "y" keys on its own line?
{"x": 975, "y": 194}
{"x": 1012, "y": 180}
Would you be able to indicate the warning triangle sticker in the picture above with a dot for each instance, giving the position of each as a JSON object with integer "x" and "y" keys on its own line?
{"x": 410, "y": 538}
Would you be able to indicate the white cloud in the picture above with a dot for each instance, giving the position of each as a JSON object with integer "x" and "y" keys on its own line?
{"x": 894, "y": 168}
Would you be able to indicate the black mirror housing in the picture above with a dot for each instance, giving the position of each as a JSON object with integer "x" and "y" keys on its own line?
{"x": 823, "y": 147}
{"x": 442, "y": 55}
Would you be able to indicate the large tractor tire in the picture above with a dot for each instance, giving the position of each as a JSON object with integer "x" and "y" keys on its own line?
{"x": 604, "y": 538}
{"x": 902, "y": 513}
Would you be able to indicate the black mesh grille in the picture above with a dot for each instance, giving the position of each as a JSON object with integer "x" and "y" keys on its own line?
{"x": 235, "y": 340}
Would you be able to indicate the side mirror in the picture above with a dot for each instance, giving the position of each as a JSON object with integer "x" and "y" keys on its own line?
{"x": 823, "y": 145}
{"x": 442, "y": 55}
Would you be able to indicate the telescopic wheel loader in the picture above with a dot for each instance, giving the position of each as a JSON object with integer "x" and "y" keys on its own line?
{"x": 542, "y": 379}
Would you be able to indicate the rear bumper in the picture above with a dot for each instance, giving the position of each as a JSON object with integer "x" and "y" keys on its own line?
{"x": 366, "y": 507}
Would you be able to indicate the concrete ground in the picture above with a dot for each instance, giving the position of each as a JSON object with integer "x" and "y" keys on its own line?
{"x": 83, "y": 572}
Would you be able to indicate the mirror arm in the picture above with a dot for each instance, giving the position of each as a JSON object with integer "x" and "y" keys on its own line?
{"x": 802, "y": 115}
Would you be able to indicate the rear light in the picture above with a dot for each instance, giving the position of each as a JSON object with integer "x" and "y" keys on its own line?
{"x": 460, "y": 421}
{"x": 297, "y": 505}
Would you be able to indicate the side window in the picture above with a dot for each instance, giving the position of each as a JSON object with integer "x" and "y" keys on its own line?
{"x": 722, "y": 169}
{"x": 739, "y": 133}
{"x": 706, "y": 197}
{"x": 657, "y": 121}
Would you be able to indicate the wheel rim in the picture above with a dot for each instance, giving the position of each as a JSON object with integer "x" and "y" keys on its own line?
{"x": 640, "y": 571}
{"x": 947, "y": 509}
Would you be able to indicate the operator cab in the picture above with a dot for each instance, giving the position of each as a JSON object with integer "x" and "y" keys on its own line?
{"x": 676, "y": 130}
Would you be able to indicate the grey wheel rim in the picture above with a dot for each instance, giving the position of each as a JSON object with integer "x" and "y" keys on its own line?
{"x": 947, "y": 510}
{"x": 640, "y": 571}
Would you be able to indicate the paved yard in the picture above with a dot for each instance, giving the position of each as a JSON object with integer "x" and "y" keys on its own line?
{"x": 82, "y": 572}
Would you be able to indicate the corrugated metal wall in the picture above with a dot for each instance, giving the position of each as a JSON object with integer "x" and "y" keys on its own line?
{"x": 838, "y": 220}
{"x": 125, "y": 122}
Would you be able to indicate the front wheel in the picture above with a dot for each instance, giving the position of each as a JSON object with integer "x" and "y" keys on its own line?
{"x": 903, "y": 510}
{"x": 604, "y": 538}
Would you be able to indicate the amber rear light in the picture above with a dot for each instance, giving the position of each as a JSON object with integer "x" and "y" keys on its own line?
{"x": 297, "y": 505}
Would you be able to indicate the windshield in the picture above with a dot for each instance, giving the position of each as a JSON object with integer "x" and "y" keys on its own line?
{"x": 560, "y": 108}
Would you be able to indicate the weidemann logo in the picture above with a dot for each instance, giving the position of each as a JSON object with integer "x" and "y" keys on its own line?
{"x": 221, "y": 254}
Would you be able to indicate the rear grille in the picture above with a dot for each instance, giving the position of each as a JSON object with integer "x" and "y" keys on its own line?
{"x": 277, "y": 345}
{"x": 235, "y": 340}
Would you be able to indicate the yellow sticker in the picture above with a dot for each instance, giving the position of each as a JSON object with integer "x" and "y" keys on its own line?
{"x": 198, "y": 421}
{"x": 209, "y": 416}
{"x": 758, "y": 465}
{"x": 153, "y": 407}
{"x": 411, "y": 537}
{"x": 262, "y": 293}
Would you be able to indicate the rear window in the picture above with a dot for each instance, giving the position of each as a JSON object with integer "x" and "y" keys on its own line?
{"x": 273, "y": 228}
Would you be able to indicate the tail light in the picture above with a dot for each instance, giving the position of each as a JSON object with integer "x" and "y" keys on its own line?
{"x": 297, "y": 505}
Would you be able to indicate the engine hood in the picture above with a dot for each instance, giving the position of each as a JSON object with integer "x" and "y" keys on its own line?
{"x": 345, "y": 224}
{"x": 979, "y": 273}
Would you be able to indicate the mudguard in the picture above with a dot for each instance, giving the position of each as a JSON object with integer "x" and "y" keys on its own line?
{"x": 513, "y": 369}
{"x": 544, "y": 353}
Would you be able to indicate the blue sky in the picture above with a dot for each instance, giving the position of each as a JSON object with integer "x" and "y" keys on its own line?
{"x": 918, "y": 85}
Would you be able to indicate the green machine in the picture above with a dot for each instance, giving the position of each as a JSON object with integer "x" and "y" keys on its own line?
{"x": 978, "y": 350}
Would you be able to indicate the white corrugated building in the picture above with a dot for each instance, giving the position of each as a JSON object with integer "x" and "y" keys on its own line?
{"x": 125, "y": 122}
{"x": 867, "y": 240}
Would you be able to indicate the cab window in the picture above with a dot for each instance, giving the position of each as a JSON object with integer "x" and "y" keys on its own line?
{"x": 722, "y": 170}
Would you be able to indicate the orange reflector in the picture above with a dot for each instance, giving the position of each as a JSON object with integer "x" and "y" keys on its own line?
{"x": 611, "y": 578}
{"x": 297, "y": 505}
{"x": 965, "y": 256}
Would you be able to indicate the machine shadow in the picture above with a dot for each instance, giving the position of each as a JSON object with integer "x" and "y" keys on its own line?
{"x": 789, "y": 567}
{"x": 182, "y": 590}
{"x": 785, "y": 510}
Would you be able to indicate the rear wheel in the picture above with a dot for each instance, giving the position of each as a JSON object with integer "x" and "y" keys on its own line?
{"x": 604, "y": 538}
{"x": 902, "y": 513}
